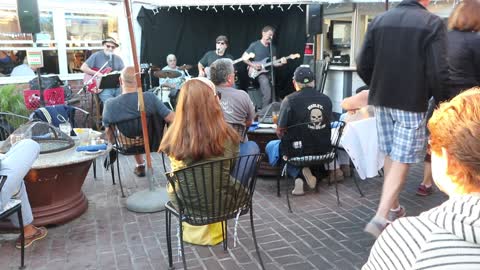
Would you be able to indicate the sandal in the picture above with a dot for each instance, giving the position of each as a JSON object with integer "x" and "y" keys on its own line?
{"x": 40, "y": 234}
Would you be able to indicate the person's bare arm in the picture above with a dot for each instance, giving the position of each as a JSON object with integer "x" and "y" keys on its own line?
{"x": 169, "y": 118}
{"x": 86, "y": 69}
{"x": 109, "y": 134}
{"x": 201, "y": 70}
{"x": 356, "y": 102}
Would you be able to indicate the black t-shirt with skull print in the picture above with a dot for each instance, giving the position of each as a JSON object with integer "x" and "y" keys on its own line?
{"x": 306, "y": 116}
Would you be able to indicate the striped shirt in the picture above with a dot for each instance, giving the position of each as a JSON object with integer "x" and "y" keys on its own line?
{"x": 445, "y": 237}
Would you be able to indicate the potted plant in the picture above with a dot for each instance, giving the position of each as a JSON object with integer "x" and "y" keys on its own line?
{"x": 13, "y": 112}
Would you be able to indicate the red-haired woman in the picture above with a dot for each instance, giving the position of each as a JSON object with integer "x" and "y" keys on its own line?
{"x": 447, "y": 236}
{"x": 199, "y": 133}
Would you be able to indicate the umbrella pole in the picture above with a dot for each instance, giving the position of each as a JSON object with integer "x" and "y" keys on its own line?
{"x": 153, "y": 199}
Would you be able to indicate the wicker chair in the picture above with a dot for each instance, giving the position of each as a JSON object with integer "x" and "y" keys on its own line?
{"x": 212, "y": 192}
{"x": 128, "y": 139}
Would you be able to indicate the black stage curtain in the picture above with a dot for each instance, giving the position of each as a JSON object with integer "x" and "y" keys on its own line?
{"x": 190, "y": 33}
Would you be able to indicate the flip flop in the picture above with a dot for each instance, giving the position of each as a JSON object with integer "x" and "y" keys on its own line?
{"x": 40, "y": 234}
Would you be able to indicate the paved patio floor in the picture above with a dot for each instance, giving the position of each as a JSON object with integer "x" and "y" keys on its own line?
{"x": 318, "y": 235}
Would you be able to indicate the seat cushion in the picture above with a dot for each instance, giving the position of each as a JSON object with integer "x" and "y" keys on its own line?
{"x": 12, "y": 203}
{"x": 311, "y": 159}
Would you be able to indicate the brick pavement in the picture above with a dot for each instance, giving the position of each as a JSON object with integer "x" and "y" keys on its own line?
{"x": 318, "y": 235}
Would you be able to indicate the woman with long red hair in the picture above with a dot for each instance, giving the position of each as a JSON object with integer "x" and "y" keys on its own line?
{"x": 198, "y": 134}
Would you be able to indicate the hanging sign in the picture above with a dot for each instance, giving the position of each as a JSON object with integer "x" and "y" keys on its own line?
{"x": 35, "y": 58}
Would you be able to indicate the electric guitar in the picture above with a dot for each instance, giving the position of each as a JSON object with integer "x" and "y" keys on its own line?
{"x": 92, "y": 87}
{"x": 253, "y": 73}
{"x": 243, "y": 58}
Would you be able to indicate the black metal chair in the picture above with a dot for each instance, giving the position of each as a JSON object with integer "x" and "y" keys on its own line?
{"x": 9, "y": 122}
{"x": 12, "y": 207}
{"x": 212, "y": 192}
{"x": 303, "y": 148}
{"x": 128, "y": 139}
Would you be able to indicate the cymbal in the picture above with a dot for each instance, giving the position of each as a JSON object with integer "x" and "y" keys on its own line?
{"x": 185, "y": 67}
{"x": 167, "y": 74}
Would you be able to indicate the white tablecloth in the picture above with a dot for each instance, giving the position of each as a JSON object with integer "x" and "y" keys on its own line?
{"x": 360, "y": 141}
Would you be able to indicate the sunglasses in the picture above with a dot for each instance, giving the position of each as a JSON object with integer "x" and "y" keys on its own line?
{"x": 111, "y": 46}
{"x": 221, "y": 43}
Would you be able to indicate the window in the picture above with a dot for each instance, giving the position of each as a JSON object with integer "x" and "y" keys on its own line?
{"x": 85, "y": 33}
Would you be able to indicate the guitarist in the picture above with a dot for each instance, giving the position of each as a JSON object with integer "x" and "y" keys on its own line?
{"x": 210, "y": 56}
{"x": 261, "y": 49}
{"x": 98, "y": 59}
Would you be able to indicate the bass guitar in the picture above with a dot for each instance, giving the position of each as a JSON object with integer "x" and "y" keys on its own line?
{"x": 92, "y": 84}
{"x": 253, "y": 73}
{"x": 243, "y": 58}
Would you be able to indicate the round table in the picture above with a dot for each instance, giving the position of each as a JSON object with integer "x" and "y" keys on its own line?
{"x": 54, "y": 185}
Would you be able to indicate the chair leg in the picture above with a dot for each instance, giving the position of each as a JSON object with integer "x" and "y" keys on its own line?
{"x": 119, "y": 177}
{"x": 22, "y": 238}
{"x": 355, "y": 180}
{"x": 278, "y": 184}
{"x": 288, "y": 191}
{"x": 225, "y": 235}
{"x": 95, "y": 169}
{"x": 168, "y": 226}
{"x": 112, "y": 171}
{"x": 336, "y": 182}
{"x": 181, "y": 243}
{"x": 255, "y": 239}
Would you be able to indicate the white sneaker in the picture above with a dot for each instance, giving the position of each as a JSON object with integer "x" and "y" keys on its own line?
{"x": 298, "y": 189}
{"x": 309, "y": 177}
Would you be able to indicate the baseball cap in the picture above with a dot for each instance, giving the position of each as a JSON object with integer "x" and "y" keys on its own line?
{"x": 303, "y": 74}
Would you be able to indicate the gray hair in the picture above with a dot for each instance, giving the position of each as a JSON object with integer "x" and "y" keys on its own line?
{"x": 171, "y": 56}
{"x": 220, "y": 69}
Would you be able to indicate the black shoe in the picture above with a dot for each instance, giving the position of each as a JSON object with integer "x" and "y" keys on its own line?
{"x": 139, "y": 171}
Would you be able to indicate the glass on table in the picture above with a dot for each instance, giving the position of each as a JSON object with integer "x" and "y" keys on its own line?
{"x": 16, "y": 137}
{"x": 65, "y": 127}
{"x": 275, "y": 117}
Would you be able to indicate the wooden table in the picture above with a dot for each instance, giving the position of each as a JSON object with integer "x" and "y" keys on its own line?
{"x": 262, "y": 136}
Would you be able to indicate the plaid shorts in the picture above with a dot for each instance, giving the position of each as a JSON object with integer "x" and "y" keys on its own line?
{"x": 401, "y": 134}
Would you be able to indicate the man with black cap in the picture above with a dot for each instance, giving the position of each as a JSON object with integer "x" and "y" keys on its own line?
{"x": 210, "y": 56}
{"x": 304, "y": 106}
{"x": 98, "y": 60}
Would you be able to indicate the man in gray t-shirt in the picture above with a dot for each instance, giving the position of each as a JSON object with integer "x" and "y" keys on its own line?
{"x": 261, "y": 49}
{"x": 97, "y": 60}
{"x": 125, "y": 107}
{"x": 237, "y": 107}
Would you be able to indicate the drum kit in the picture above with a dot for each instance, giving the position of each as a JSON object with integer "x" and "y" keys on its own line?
{"x": 164, "y": 93}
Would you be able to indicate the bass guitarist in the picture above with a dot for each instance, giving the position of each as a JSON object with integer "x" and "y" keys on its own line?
{"x": 261, "y": 49}
{"x": 98, "y": 60}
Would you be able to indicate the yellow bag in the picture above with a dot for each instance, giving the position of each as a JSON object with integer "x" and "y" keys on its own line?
{"x": 206, "y": 235}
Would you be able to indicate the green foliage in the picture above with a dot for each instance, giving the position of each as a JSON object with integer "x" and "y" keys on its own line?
{"x": 11, "y": 100}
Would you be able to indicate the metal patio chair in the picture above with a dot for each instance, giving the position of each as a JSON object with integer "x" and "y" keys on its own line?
{"x": 212, "y": 192}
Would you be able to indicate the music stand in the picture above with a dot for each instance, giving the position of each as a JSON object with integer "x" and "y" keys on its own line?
{"x": 111, "y": 80}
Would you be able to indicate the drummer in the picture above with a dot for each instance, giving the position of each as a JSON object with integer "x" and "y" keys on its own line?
{"x": 172, "y": 83}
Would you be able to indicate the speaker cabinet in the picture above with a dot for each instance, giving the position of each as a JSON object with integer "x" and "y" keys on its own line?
{"x": 28, "y": 16}
{"x": 314, "y": 19}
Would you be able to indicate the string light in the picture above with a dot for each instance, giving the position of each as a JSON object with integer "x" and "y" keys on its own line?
{"x": 240, "y": 8}
{"x": 280, "y": 7}
{"x": 232, "y": 7}
{"x": 299, "y": 7}
{"x": 252, "y": 8}
{"x": 291, "y": 6}
{"x": 261, "y": 6}
{"x": 198, "y": 7}
{"x": 215, "y": 8}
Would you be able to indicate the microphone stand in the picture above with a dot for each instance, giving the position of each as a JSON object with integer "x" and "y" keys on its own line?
{"x": 272, "y": 74}
{"x": 93, "y": 77}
